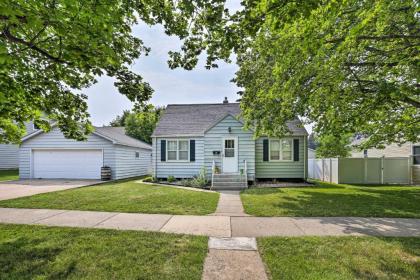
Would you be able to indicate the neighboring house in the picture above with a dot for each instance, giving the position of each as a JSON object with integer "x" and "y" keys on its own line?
{"x": 189, "y": 137}
{"x": 392, "y": 150}
{"x": 9, "y": 153}
{"x": 51, "y": 155}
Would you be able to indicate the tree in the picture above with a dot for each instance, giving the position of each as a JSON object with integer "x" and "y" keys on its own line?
{"x": 120, "y": 120}
{"x": 331, "y": 146}
{"x": 348, "y": 66}
{"x": 141, "y": 124}
{"x": 50, "y": 50}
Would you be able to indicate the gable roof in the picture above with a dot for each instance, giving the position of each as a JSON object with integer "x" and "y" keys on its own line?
{"x": 118, "y": 136}
{"x": 196, "y": 119}
{"x": 114, "y": 134}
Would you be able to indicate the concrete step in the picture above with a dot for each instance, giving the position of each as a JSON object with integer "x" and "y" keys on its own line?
{"x": 229, "y": 180}
{"x": 229, "y": 186}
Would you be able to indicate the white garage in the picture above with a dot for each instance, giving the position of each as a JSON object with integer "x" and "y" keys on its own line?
{"x": 67, "y": 163}
{"x": 52, "y": 156}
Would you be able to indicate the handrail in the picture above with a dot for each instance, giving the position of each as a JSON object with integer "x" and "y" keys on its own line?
{"x": 213, "y": 169}
{"x": 246, "y": 172}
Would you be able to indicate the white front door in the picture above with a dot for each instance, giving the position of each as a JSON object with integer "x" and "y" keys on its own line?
{"x": 67, "y": 164}
{"x": 230, "y": 154}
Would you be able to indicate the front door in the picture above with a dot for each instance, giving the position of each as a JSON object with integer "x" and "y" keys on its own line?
{"x": 230, "y": 155}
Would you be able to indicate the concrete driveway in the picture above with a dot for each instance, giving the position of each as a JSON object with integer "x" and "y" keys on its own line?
{"x": 21, "y": 188}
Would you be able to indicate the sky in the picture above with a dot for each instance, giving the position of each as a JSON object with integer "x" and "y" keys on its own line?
{"x": 176, "y": 86}
{"x": 170, "y": 86}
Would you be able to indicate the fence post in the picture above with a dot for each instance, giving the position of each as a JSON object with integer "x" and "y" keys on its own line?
{"x": 410, "y": 170}
{"x": 365, "y": 169}
{"x": 382, "y": 169}
{"x": 330, "y": 170}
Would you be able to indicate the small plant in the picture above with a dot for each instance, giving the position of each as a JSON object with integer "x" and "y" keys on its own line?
{"x": 201, "y": 180}
{"x": 216, "y": 170}
{"x": 150, "y": 179}
{"x": 171, "y": 179}
{"x": 187, "y": 183}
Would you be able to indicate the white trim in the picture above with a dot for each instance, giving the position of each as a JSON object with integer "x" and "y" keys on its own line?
{"x": 280, "y": 150}
{"x": 177, "y": 150}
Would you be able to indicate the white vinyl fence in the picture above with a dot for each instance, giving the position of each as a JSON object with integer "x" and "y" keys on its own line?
{"x": 391, "y": 170}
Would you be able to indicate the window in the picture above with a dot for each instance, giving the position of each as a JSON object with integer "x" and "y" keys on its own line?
{"x": 35, "y": 127}
{"x": 178, "y": 150}
{"x": 281, "y": 149}
{"x": 286, "y": 149}
{"x": 229, "y": 148}
{"x": 274, "y": 149}
{"x": 137, "y": 154}
{"x": 172, "y": 149}
{"x": 416, "y": 154}
{"x": 183, "y": 149}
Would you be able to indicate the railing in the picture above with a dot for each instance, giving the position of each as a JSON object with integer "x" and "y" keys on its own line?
{"x": 246, "y": 172}
{"x": 213, "y": 170}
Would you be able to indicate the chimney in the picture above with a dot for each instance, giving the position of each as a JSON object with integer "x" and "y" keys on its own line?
{"x": 225, "y": 101}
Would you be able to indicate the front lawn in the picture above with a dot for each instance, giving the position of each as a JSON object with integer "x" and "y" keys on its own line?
{"x": 7, "y": 175}
{"x": 35, "y": 252}
{"x": 341, "y": 257}
{"x": 123, "y": 197}
{"x": 333, "y": 200}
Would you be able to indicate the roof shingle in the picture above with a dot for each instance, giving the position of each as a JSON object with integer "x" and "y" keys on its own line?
{"x": 196, "y": 119}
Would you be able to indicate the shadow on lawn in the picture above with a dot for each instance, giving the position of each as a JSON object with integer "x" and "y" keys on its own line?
{"x": 28, "y": 258}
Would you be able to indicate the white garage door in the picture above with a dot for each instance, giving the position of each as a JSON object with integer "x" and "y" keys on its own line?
{"x": 68, "y": 164}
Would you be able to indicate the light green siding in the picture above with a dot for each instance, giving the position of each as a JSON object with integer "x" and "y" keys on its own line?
{"x": 280, "y": 169}
{"x": 213, "y": 141}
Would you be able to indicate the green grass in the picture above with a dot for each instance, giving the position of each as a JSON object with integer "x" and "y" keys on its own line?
{"x": 341, "y": 257}
{"x": 7, "y": 175}
{"x": 123, "y": 197}
{"x": 35, "y": 252}
{"x": 333, "y": 200}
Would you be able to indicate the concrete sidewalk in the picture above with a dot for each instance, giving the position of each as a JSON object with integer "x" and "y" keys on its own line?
{"x": 215, "y": 226}
{"x": 230, "y": 204}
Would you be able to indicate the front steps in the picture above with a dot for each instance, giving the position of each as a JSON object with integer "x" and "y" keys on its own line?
{"x": 229, "y": 181}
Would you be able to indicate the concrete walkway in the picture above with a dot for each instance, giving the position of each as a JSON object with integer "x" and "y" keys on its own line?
{"x": 230, "y": 204}
{"x": 215, "y": 226}
{"x": 233, "y": 258}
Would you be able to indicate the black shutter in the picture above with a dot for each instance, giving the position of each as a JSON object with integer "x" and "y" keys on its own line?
{"x": 192, "y": 150}
{"x": 265, "y": 150}
{"x": 296, "y": 149}
{"x": 162, "y": 150}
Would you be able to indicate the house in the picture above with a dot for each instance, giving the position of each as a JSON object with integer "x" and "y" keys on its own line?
{"x": 9, "y": 153}
{"x": 393, "y": 150}
{"x": 190, "y": 137}
{"x": 51, "y": 155}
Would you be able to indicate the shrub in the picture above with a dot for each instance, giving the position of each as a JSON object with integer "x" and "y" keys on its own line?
{"x": 187, "y": 183}
{"x": 201, "y": 180}
{"x": 171, "y": 179}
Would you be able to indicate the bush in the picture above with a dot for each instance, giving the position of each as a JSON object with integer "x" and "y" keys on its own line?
{"x": 171, "y": 179}
{"x": 201, "y": 180}
{"x": 187, "y": 183}
{"x": 150, "y": 180}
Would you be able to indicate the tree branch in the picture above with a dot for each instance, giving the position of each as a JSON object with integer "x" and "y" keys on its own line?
{"x": 411, "y": 101}
{"x": 6, "y": 34}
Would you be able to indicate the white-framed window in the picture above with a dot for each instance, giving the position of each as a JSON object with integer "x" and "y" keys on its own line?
{"x": 178, "y": 150}
{"x": 281, "y": 149}
{"x": 416, "y": 155}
